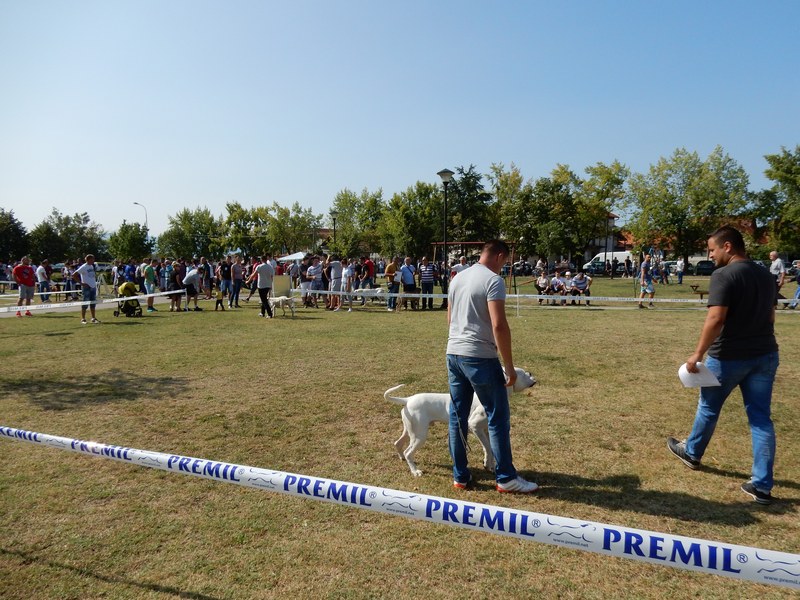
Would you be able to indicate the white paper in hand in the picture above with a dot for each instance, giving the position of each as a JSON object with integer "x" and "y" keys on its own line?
{"x": 704, "y": 378}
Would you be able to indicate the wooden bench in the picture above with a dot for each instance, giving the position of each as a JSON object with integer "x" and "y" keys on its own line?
{"x": 701, "y": 293}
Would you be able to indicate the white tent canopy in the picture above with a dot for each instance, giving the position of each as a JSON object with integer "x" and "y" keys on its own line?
{"x": 292, "y": 257}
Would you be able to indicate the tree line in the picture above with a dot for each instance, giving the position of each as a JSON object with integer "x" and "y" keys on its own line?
{"x": 674, "y": 205}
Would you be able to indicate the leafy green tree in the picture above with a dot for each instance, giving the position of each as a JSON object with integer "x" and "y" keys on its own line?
{"x": 193, "y": 233}
{"x": 45, "y": 242}
{"x": 596, "y": 197}
{"x": 412, "y": 221}
{"x": 292, "y": 229}
{"x": 784, "y": 170}
{"x": 356, "y": 221}
{"x": 471, "y": 216}
{"x": 13, "y": 237}
{"x": 682, "y": 198}
{"x": 245, "y": 229}
{"x": 78, "y": 236}
{"x": 130, "y": 241}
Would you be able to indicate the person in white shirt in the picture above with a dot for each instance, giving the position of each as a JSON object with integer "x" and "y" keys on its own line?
{"x": 557, "y": 287}
{"x": 87, "y": 275}
{"x": 456, "y": 269}
{"x": 580, "y": 286}
{"x": 347, "y": 284}
{"x": 191, "y": 284}
{"x": 777, "y": 269}
{"x": 542, "y": 284}
{"x": 43, "y": 279}
{"x": 679, "y": 267}
{"x": 335, "y": 282}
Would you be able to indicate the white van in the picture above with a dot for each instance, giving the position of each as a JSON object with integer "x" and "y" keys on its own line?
{"x": 598, "y": 262}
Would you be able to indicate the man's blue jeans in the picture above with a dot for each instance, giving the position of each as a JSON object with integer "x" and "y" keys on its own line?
{"x": 44, "y": 287}
{"x": 233, "y": 299}
{"x": 484, "y": 376}
{"x": 796, "y": 297}
{"x": 394, "y": 288}
{"x": 427, "y": 288}
{"x": 755, "y": 377}
{"x": 226, "y": 285}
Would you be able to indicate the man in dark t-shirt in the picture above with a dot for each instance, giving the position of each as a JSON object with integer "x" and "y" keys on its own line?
{"x": 738, "y": 335}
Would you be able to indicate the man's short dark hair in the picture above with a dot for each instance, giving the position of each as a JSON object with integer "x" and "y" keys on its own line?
{"x": 495, "y": 247}
{"x": 729, "y": 234}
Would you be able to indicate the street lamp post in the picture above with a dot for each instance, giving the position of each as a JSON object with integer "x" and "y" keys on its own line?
{"x": 146, "y": 228}
{"x": 334, "y": 214}
{"x": 145, "y": 214}
{"x": 447, "y": 176}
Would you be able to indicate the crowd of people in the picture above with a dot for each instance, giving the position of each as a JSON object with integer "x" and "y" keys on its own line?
{"x": 737, "y": 336}
{"x": 325, "y": 281}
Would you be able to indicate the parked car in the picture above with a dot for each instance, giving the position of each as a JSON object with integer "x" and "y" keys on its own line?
{"x": 670, "y": 266}
{"x": 761, "y": 263}
{"x": 704, "y": 267}
{"x": 794, "y": 268}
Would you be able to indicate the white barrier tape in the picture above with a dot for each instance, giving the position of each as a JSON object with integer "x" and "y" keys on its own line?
{"x": 554, "y": 298}
{"x": 729, "y": 560}
{"x": 50, "y": 306}
{"x": 370, "y": 293}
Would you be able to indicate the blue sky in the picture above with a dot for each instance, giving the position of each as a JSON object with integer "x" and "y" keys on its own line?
{"x": 193, "y": 103}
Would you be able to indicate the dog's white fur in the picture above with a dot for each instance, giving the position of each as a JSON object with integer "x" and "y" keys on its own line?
{"x": 420, "y": 410}
{"x": 282, "y": 302}
{"x": 377, "y": 292}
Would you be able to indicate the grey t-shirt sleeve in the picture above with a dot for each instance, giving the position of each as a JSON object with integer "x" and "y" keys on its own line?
{"x": 496, "y": 290}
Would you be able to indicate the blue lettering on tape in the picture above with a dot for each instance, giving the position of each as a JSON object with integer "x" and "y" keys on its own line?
{"x": 652, "y": 546}
{"x": 487, "y": 518}
{"x": 117, "y": 452}
{"x": 20, "y": 434}
{"x": 347, "y": 493}
{"x": 204, "y": 468}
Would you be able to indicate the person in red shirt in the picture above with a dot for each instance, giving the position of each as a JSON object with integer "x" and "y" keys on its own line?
{"x": 25, "y": 277}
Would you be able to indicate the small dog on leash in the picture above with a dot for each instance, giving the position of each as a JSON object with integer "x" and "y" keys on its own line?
{"x": 420, "y": 410}
{"x": 282, "y": 302}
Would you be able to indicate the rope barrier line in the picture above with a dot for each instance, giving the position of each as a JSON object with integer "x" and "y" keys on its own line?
{"x": 49, "y": 306}
{"x": 728, "y": 560}
{"x": 370, "y": 293}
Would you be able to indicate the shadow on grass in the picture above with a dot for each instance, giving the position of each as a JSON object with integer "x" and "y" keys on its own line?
{"x": 28, "y": 558}
{"x": 112, "y": 386}
{"x": 623, "y": 492}
{"x": 745, "y": 476}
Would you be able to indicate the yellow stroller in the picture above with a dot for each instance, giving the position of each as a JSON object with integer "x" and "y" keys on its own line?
{"x": 130, "y": 307}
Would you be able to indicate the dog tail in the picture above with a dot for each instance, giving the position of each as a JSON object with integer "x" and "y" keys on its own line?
{"x": 395, "y": 399}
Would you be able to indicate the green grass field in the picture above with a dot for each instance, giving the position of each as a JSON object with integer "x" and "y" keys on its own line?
{"x": 304, "y": 395}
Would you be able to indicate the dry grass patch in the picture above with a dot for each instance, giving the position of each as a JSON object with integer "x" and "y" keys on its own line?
{"x": 305, "y": 395}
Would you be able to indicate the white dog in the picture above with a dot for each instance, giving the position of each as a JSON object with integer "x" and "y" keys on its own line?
{"x": 420, "y": 410}
{"x": 282, "y": 302}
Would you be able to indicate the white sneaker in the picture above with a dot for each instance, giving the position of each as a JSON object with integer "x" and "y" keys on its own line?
{"x": 95, "y": 321}
{"x": 83, "y": 321}
{"x": 517, "y": 486}
{"x": 390, "y": 310}
{"x": 349, "y": 310}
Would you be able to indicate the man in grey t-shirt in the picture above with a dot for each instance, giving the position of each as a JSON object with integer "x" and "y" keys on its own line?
{"x": 478, "y": 331}
{"x": 265, "y": 274}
